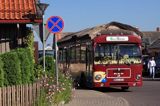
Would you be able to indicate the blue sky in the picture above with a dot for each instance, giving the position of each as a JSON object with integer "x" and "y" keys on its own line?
{"x": 81, "y": 14}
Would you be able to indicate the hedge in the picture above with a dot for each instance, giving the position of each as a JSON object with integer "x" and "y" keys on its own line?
{"x": 29, "y": 43}
{"x": 25, "y": 65}
{"x": 31, "y": 60}
{"x": 17, "y": 67}
{"x": 12, "y": 70}
{"x": 1, "y": 73}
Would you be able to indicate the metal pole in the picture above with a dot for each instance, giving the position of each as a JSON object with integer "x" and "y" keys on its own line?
{"x": 44, "y": 66}
{"x": 56, "y": 59}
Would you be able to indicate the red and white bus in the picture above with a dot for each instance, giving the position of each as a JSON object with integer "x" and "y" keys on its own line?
{"x": 111, "y": 58}
{"x": 117, "y": 61}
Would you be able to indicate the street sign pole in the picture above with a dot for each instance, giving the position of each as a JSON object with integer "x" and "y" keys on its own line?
{"x": 44, "y": 42}
{"x": 55, "y": 24}
{"x": 56, "y": 59}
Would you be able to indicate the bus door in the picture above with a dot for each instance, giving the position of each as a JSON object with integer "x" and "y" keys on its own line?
{"x": 89, "y": 61}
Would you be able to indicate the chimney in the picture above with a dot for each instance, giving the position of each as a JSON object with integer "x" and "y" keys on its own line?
{"x": 158, "y": 29}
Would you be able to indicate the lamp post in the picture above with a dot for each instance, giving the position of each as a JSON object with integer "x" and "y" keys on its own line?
{"x": 43, "y": 7}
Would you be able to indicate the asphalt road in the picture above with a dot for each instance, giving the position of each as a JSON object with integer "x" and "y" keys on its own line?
{"x": 84, "y": 97}
{"x": 147, "y": 95}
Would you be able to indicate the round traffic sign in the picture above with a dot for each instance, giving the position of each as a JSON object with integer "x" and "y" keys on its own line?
{"x": 55, "y": 24}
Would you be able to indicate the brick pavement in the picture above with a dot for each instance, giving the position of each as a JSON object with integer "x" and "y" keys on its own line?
{"x": 95, "y": 98}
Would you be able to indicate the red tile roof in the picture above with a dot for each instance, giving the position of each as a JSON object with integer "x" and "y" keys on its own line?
{"x": 17, "y": 11}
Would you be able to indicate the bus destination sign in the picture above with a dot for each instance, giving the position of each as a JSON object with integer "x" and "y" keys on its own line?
{"x": 117, "y": 38}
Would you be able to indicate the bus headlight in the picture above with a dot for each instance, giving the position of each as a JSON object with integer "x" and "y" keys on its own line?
{"x": 138, "y": 77}
{"x": 98, "y": 77}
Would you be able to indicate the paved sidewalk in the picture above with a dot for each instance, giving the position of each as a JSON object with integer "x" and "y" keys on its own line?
{"x": 150, "y": 79}
{"x": 95, "y": 98}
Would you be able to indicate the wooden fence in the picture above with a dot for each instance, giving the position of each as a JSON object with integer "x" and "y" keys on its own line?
{"x": 20, "y": 95}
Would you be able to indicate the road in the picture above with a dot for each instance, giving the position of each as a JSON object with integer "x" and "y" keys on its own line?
{"x": 147, "y": 95}
{"x": 95, "y": 98}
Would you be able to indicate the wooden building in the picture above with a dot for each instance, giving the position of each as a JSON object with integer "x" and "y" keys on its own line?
{"x": 14, "y": 16}
{"x": 151, "y": 42}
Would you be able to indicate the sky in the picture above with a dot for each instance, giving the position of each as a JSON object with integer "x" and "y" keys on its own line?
{"x": 81, "y": 14}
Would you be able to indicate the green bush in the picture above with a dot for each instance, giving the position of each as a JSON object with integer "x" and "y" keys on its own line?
{"x": 12, "y": 71}
{"x": 41, "y": 99}
{"x": 24, "y": 64}
{"x": 65, "y": 90}
{"x": 31, "y": 60}
{"x": 38, "y": 71}
{"x": 50, "y": 65}
{"x": 29, "y": 39}
{"x": 56, "y": 95}
{"x": 1, "y": 73}
{"x": 29, "y": 43}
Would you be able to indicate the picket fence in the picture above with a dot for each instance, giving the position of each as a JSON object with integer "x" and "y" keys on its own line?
{"x": 20, "y": 95}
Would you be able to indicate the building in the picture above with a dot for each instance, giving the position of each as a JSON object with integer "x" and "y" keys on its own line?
{"x": 151, "y": 42}
{"x": 14, "y": 17}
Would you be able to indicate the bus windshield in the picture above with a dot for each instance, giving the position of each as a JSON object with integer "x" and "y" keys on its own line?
{"x": 117, "y": 54}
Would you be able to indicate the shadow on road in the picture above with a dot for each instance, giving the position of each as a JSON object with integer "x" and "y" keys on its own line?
{"x": 104, "y": 90}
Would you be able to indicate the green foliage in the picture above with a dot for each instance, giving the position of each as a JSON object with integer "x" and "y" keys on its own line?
{"x": 54, "y": 94}
{"x": 1, "y": 73}
{"x": 29, "y": 39}
{"x": 24, "y": 64}
{"x": 29, "y": 42}
{"x": 12, "y": 70}
{"x": 65, "y": 90}
{"x": 18, "y": 65}
{"x": 41, "y": 100}
{"x": 38, "y": 71}
{"x": 50, "y": 65}
{"x": 31, "y": 60}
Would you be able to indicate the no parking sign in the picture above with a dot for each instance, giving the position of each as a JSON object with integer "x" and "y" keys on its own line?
{"x": 55, "y": 24}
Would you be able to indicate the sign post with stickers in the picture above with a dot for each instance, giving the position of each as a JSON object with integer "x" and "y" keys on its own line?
{"x": 55, "y": 24}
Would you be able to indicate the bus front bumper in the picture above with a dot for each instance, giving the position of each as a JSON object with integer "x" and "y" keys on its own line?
{"x": 117, "y": 84}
